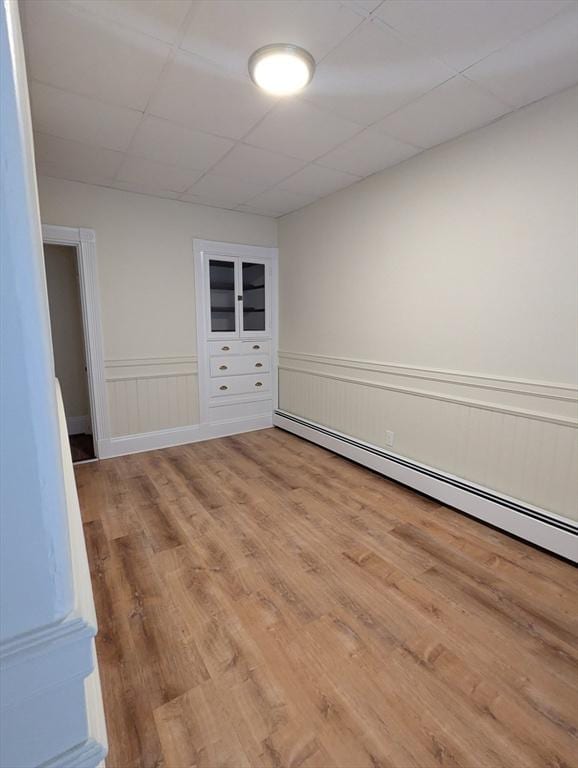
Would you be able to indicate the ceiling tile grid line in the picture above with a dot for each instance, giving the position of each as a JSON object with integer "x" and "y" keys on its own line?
{"x": 546, "y": 10}
{"x": 63, "y": 43}
{"x": 527, "y": 33}
{"x": 316, "y": 26}
{"x": 118, "y": 83}
{"x": 323, "y": 154}
{"x": 103, "y": 8}
{"x": 174, "y": 48}
{"x": 319, "y": 160}
{"x": 241, "y": 141}
{"x": 130, "y": 151}
{"x": 363, "y": 17}
{"x": 177, "y": 47}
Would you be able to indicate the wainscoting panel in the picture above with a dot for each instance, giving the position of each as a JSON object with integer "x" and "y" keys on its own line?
{"x": 150, "y": 394}
{"x": 519, "y": 438}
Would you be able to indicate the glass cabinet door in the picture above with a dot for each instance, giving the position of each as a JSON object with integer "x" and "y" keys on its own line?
{"x": 222, "y": 297}
{"x": 254, "y": 312}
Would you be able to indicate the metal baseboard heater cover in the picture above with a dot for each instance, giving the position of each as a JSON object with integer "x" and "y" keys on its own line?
{"x": 536, "y": 526}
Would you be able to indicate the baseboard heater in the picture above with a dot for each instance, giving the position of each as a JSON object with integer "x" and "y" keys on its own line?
{"x": 537, "y": 526}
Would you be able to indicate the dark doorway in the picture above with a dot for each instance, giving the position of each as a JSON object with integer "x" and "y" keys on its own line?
{"x": 67, "y": 329}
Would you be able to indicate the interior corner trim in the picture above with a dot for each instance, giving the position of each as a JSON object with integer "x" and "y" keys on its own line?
{"x": 537, "y": 526}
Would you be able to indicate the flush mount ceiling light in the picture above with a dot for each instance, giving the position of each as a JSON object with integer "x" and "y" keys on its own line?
{"x": 281, "y": 68}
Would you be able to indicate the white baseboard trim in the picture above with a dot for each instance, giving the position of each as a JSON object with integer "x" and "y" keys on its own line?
{"x": 167, "y": 438}
{"x": 537, "y": 526}
{"x": 147, "y": 441}
{"x": 236, "y": 426}
{"x": 78, "y": 425}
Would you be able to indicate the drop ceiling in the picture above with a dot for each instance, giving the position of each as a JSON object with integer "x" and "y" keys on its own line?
{"x": 153, "y": 96}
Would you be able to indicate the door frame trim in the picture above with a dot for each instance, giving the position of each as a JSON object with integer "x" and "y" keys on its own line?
{"x": 84, "y": 241}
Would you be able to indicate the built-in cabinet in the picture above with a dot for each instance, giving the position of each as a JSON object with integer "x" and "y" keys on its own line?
{"x": 236, "y": 296}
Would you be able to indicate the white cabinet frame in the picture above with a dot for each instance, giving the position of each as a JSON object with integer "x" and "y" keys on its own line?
{"x": 205, "y": 250}
{"x": 266, "y": 334}
{"x": 220, "y": 335}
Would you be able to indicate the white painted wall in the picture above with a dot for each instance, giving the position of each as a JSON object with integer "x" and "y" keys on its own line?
{"x": 35, "y": 574}
{"x": 46, "y": 643}
{"x": 455, "y": 273}
{"x": 146, "y": 278}
{"x": 67, "y": 329}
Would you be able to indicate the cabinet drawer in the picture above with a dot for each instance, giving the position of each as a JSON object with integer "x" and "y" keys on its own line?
{"x": 237, "y": 364}
{"x": 226, "y": 347}
{"x": 239, "y": 347}
{"x": 256, "y": 347}
{"x": 225, "y": 386}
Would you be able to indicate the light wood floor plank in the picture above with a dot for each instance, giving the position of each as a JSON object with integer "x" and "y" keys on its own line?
{"x": 263, "y": 603}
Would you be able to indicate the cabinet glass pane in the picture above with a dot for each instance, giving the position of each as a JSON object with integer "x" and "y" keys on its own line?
{"x": 253, "y": 297}
{"x": 222, "y": 290}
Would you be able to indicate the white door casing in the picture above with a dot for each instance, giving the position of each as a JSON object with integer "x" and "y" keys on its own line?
{"x": 84, "y": 240}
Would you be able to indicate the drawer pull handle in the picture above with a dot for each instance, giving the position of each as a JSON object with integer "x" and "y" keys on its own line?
{"x": 258, "y": 365}
{"x": 222, "y": 367}
{"x": 225, "y": 349}
{"x": 256, "y": 346}
{"x": 223, "y": 387}
{"x": 259, "y": 384}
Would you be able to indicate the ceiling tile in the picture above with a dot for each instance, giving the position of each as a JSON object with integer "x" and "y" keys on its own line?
{"x": 223, "y": 190}
{"x": 81, "y": 53}
{"x": 198, "y": 94}
{"x": 316, "y": 181}
{"x": 451, "y": 109}
{"x": 373, "y": 73}
{"x": 257, "y": 166}
{"x": 64, "y": 114}
{"x": 462, "y": 33}
{"x": 154, "y": 175}
{"x": 72, "y": 160}
{"x": 157, "y": 18}
{"x": 301, "y": 130}
{"x": 281, "y": 201}
{"x": 228, "y": 32}
{"x": 368, "y": 152}
{"x": 541, "y": 63}
{"x": 174, "y": 144}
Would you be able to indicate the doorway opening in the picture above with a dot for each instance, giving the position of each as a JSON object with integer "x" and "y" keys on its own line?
{"x": 68, "y": 343}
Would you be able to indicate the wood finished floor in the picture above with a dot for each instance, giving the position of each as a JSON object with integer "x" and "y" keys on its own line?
{"x": 263, "y": 602}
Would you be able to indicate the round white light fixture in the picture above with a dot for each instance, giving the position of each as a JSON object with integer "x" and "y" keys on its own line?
{"x": 281, "y": 69}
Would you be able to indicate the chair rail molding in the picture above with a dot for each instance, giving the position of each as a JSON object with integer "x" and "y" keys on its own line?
{"x": 38, "y": 660}
{"x": 122, "y": 369}
{"x": 84, "y": 240}
{"x": 553, "y": 402}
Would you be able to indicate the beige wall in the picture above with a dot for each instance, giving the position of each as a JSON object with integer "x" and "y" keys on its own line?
{"x": 145, "y": 267}
{"x": 66, "y": 328}
{"x": 438, "y": 300}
